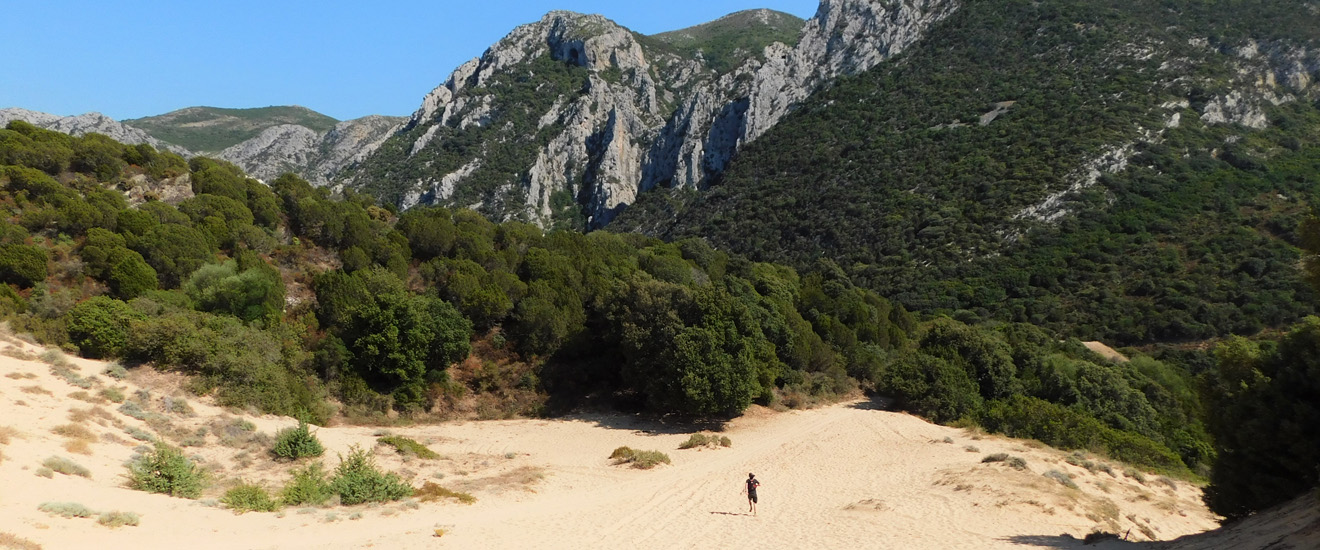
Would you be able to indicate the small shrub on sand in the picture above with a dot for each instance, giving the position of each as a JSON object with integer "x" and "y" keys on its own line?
{"x": 66, "y": 467}
{"x": 1135, "y": 474}
{"x": 118, "y": 519}
{"x": 164, "y": 469}
{"x": 35, "y": 390}
{"x": 6, "y": 433}
{"x": 116, "y": 371}
{"x": 308, "y": 486}
{"x": 644, "y": 460}
{"x": 357, "y": 480}
{"x": 246, "y": 497}
{"x": 431, "y": 492}
{"x": 132, "y": 409}
{"x": 66, "y": 509}
{"x": 113, "y": 394}
{"x": 14, "y": 542}
{"x": 1017, "y": 463}
{"x": 139, "y": 434}
{"x": 705, "y": 440}
{"x": 45, "y": 472}
{"x": 408, "y": 446}
{"x": 295, "y": 443}
{"x": 1063, "y": 478}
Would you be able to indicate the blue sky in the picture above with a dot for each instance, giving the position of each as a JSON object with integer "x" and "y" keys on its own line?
{"x": 130, "y": 59}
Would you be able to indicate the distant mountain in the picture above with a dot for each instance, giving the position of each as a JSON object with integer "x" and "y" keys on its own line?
{"x": 565, "y": 120}
{"x": 212, "y": 129}
{"x": 84, "y": 124}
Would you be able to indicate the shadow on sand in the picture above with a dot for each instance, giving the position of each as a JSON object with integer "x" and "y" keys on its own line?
{"x": 874, "y": 403}
{"x": 645, "y": 424}
{"x": 732, "y": 514}
{"x": 1069, "y": 541}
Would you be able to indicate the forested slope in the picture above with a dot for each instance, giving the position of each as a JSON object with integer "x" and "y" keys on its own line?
{"x": 1126, "y": 171}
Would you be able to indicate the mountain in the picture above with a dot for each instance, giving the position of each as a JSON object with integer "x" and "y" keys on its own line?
{"x": 1126, "y": 171}
{"x": 212, "y": 129}
{"x": 565, "y": 120}
{"x": 317, "y": 156}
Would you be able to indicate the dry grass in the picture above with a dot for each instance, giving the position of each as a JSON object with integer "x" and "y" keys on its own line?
{"x": 520, "y": 478}
{"x": 66, "y": 467}
{"x": 14, "y": 542}
{"x": 118, "y": 519}
{"x": 20, "y": 375}
{"x": 84, "y": 396}
{"x": 6, "y": 434}
{"x": 35, "y": 390}
{"x": 430, "y": 492}
{"x": 79, "y": 438}
{"x": 95, "y": 414}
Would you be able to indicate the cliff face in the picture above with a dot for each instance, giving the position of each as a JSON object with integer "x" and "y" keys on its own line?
{"x": 568, "y": 118}
{"x": 318, "y": 157}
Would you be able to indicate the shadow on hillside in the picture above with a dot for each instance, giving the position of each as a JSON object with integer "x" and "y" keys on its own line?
{"x": 644, "y": 424}
{"x": 874, "y": 403}
{"x": 1067, "y": 541}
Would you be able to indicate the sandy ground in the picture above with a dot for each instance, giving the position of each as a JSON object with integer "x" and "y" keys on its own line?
{"x": 845, "y": 476}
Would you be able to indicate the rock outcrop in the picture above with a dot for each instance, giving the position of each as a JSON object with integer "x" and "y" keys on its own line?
{"x": 316, "y": 156}
{"x": 641, "y": 115}
{"x": 85, "y": 124}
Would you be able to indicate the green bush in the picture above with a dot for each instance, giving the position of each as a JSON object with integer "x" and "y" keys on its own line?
{"x": 357, "y": 480}
{"x": 705, "y": 440}
{"x": 408, "y": 446}
{"x": 296, "y": 443}
{"x": 1017, "y": 463}
{"x": 246, "y": 497}
{"x": 165, "y": 470}
{"x": 308, "y": 486}
{"x": 99, "y": 326}
{"x": 644, "y": 460}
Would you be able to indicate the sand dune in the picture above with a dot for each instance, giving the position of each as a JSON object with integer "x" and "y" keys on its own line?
{"x": 846, "y": 476}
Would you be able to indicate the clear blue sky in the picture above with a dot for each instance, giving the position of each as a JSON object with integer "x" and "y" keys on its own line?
{"x": 346, "y": 59}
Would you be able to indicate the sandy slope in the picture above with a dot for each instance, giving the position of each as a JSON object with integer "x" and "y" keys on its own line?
{"x": 846, "y": 476}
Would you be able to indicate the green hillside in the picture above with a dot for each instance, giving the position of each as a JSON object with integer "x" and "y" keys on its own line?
{"x": 728, "y": 41}
{"x": 212, "y": 129}
{"x": 892, "y": 174}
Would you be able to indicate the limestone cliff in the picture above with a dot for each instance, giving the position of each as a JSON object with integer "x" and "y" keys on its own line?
{"x": 566, "y": 119}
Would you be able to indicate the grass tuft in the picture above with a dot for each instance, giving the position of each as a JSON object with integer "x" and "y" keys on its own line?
{"x": 1017, "y": 463}
{"x": 66, "y": 509}
{"x": 66, "y": 467}
{"x": 644, "y": 460}
{"x": 706, "y": 440}
{"x": 118, "y": 519}
{"x": 1061, "y": 477}
{"x": 15, "y": 542}
{"x": 408, "y": 446}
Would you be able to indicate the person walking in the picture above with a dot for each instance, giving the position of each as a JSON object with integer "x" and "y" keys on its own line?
{"x": 752, "y": 484}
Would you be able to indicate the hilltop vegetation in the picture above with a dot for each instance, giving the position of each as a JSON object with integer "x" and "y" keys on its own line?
{"x": 728, "y": 41}
{"x": 212, "y": 129}
{"x": 892, "y": 175}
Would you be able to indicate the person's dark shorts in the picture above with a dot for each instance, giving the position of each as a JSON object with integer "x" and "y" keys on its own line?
{"x": 751, "y": 496}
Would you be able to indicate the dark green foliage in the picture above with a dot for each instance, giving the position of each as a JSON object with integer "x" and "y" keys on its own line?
{"x": 99, "y": 326}
{"x": 358, "y": 480}
{"x": 175, "y": 251}
{"x": 247, "y": 497}
{"x": 309, "y": 486}
{"x": 22, "y": 265}
{"x": 1264, "y": 405}
{"x": 165, "y": 470}
{"x": 728, "y": 42}
{"x": 296, "y": 443}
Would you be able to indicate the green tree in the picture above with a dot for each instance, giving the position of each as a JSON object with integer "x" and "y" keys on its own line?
{"x": 99, "y": 326}
{"x": 22, "y": 265}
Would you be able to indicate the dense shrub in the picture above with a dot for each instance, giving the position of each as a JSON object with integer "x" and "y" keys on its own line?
{"x": 165, "y": 470}
{"x": 295, "y": 443}
{"x": 309, "y": 485}
{"x": 247, "y": 497}
{"x": 357, "y": 480}
{"x": 99, "y": 326}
